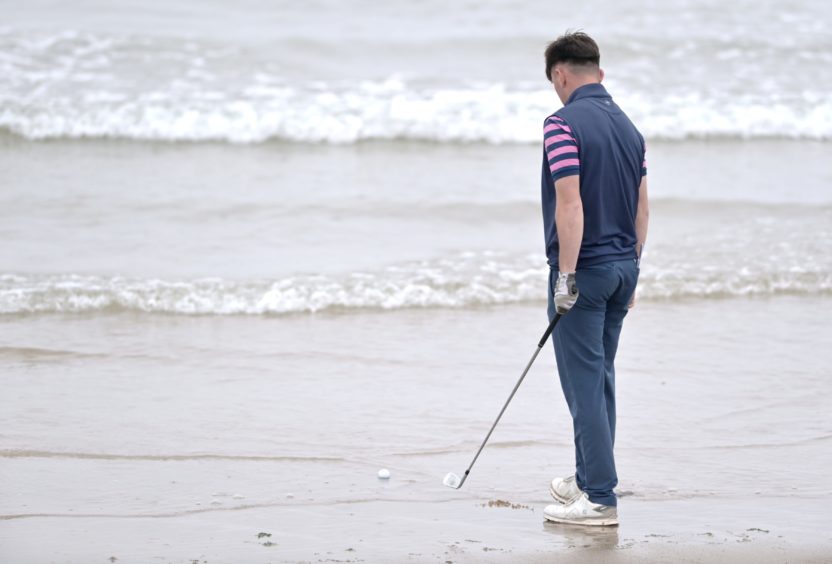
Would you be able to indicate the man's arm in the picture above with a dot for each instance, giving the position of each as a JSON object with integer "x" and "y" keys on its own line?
{"x": 642, "y": 219}
{"x": 565, "y": 166}
{"x": 569, "y": 217}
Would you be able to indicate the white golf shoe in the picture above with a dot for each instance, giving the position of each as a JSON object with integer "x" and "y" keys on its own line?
{"x": 581, "y": 511}
{"x": 564, "y": 490}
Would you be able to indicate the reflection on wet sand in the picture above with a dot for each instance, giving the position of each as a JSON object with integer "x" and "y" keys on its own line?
{"x": 580, "y": 536}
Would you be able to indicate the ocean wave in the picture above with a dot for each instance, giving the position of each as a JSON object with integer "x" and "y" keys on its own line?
{"x": 462, "y": 281}
{"x": 73, "y": 85}
{"x": 389, "y": 111}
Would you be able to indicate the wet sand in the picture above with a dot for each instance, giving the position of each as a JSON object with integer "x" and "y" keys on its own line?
{"x": 180, "y": 439}
{"x": 457, "y": 531}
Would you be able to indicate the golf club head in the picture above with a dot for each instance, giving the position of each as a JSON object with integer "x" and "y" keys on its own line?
{"x": 452, "y": 481}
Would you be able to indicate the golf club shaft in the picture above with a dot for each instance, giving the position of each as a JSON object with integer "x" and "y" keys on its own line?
{"x": 542, "y": 342}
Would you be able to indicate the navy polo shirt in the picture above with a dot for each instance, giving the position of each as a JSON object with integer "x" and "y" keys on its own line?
{"x": 592, "y": 138}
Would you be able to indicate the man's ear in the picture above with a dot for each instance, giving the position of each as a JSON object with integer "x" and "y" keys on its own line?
{"x": 600, "y": 75}
{"x": 557, "y": 75}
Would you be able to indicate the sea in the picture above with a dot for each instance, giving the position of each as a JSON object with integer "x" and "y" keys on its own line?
{"x": 277, "y": 246}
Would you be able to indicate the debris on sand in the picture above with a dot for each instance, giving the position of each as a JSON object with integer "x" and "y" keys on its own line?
{"x": 504, "y": 503}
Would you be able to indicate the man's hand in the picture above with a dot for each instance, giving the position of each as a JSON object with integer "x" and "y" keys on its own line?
{"x": 566, "y": 292}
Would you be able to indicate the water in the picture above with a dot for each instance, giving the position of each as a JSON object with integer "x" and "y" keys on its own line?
{"x": 263, "y": 250}
{"x": 244, "y": 234}
{"x": 344, "y": 72}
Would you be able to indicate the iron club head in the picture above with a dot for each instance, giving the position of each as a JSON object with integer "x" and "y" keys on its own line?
{"x": 452, "y": 481}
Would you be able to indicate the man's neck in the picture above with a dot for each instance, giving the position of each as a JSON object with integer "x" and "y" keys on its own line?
{"x": 580, "y": 84}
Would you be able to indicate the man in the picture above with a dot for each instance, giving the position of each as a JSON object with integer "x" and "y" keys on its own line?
{"x": 594, "y": 193}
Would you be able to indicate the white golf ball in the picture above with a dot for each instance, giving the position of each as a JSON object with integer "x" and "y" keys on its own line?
{"x": 384, "y": 473}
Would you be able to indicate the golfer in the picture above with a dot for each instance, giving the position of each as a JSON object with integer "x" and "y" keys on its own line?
{"x": 594, "y": 195}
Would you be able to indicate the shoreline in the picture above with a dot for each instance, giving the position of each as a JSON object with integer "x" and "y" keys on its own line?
{"x": 171, "y": 438}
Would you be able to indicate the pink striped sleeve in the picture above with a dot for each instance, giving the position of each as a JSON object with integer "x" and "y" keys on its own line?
{"x": 559, "y": 139}
{"x": 561, "y": 148}
{"x": 557, "y": 127}
{"x": 562, "y": 151}
{"x": 564, "y": 164}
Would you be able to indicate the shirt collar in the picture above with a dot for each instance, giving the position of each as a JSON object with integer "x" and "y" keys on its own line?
{"x": 593, "y": 90}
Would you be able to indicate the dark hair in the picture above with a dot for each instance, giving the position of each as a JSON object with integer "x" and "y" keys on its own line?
{"x": 575, "y": 48}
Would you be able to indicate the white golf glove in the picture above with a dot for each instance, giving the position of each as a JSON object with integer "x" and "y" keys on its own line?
{"x": 566, "y": 292}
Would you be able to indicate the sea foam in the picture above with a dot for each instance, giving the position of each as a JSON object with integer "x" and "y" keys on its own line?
{"x": 81, "y": 85}
{"x": 461, "y": 281}
{"x": 390, "y": 110}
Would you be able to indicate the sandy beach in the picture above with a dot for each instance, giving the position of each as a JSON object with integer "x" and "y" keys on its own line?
{"x": 254, "y": 253}
{"x": 719, "y": 460}
{"x": 420, "y": 532}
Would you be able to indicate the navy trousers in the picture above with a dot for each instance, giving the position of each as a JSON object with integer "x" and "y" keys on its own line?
{"x": 585, "y": 341}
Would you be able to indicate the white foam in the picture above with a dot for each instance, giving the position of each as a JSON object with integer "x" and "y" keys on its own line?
{"x": 77, "y": 85}
{"x": 491, "y": 115}
{"x": 464, "y": 280}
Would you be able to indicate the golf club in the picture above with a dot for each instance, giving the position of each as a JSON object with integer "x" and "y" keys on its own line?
{"x": 452, "y": 480}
